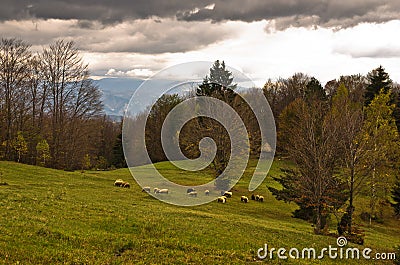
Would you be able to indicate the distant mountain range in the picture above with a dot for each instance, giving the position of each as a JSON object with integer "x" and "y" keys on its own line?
{"x": 116, "y": 93}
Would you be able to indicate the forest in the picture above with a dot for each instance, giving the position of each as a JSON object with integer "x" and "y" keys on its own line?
{"x": 51, "y": 113}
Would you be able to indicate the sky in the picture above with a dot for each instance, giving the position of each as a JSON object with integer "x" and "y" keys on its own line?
{"x": 263, "y": 39}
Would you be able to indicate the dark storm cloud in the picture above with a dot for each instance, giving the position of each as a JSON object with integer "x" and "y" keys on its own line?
{"x": 300, "y": 13}
{"x": 330, "y": 13}
{"x": 145, "y": 36}
{"x": 153, "y": 37}
{"x": 100, "y": 10}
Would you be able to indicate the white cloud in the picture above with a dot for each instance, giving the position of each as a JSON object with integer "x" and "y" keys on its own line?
{"x": 210, "y": 7}
{"x": 137, "y": 73}
{"x": 113, "y": 72}
{"x": 369, "y": 40}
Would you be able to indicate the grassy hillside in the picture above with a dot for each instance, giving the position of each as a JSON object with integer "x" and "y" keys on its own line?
{"x": 57, "y": 217}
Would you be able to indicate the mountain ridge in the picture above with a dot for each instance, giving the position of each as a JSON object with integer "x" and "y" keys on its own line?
{"x": 116, "y": 93}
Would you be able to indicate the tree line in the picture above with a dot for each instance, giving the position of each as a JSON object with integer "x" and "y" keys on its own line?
{"x": 344, "y": 141}
{"x": 51, "y": 113}
{"x": 342, "y": 137}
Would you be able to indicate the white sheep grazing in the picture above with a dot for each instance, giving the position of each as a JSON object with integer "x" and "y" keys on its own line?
{"x": 228, "y": 194}
{"x": 156, "y": 190}
{"x": 146, "y": 189}
{"x": 162, "y": 191}
{"x": 221, "y": 199}
{"x": 118, "y": 182}
{"x": 207, "y": 192}
{"x": 261, "y": 199}
{"x": 257, "y": 197}
{"x": 244, "y": 199}
{"x": 193, "y": 194}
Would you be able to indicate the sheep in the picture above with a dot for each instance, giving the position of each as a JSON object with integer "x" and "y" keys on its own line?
{"x": 193, "y": 194}
{"x": 162, "y": 191}
{"x": 156, "y": 190}
{"x": 146, "y": 189}
{"x": 253, "y": 197}
{"x": 257, "y": 197}
{"x": 221, "y": 199}
{"x": 190, "y": 190}
{"x": 244, "y": 199}
{"x": 125, "y": 185}
{"x": 118, "y": 182}
{"x": 227, "y": 194}
{"x": 207, "y": 192}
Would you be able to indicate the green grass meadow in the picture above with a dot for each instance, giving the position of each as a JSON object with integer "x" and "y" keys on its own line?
{"x": 50, "y": 216}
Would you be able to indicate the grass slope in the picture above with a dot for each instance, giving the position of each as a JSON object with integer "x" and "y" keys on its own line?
{"x": 56, "y": 217}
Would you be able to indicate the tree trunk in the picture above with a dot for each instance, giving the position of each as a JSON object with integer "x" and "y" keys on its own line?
{"x": 373, "y": 196}
{"x": 351, "y": 195}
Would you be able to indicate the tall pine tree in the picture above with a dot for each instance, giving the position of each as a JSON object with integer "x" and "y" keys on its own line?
{"x": 377, "y": 79}
{"x": 219, "y": 83}
{"x": 118, "y": 153}
{"x": 314, "y": 90}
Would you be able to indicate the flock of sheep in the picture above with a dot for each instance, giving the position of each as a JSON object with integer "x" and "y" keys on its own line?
{"x": 191, "y": 192}
{"x": 228, "y": 194}
{"x": 156, "y": 190}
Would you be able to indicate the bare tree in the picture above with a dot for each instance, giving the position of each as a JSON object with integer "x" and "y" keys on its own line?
{"x": 71, "y": 98}
{"x": 355, "y": 84}
{"x": 309, "y": 139}
{"x": 285, "y": 90}
{"x": 347, "y": 116}
{"x": 14, "y": 73}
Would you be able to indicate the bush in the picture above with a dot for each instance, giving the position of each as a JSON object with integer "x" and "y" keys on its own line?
{"x": 308, "y": 214}
{"x": 101, "y": 163}
{"x": 365, "y": 216}
{"x": 344, "y": 224}
{"x": 396, "y": 197}
{"x": 357, "y": 236}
